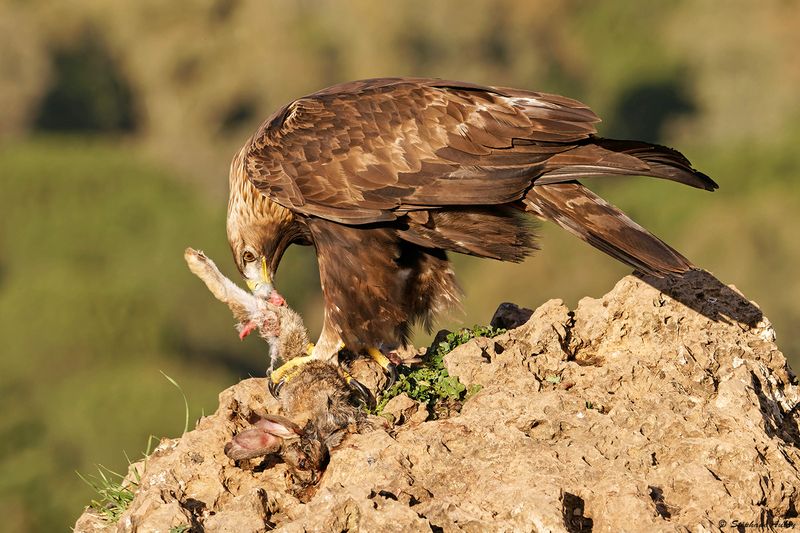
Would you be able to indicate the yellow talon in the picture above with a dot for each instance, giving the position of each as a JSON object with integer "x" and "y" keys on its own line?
{"x": 388, "y": 367}
{"x": 346, "y": 375}
{"x": 289, "y": 368}
{"x": 379, "y": 358}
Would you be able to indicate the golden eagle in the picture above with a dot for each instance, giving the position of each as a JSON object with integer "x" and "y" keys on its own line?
{"x": 385, "y": 176}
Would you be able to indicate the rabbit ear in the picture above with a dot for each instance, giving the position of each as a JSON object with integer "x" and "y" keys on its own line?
{"x": 253, "y": 442}
{"x": 279, "y": 426}
{"x": 264, "y": 437}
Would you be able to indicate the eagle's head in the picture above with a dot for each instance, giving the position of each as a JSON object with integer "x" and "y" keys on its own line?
{"x": 259, "y": 230}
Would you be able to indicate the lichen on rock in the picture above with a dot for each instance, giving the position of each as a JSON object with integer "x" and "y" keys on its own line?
{"x": 661, "y": 406}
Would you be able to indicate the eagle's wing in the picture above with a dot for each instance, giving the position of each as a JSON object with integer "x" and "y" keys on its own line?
{"x": 368, "y": 151}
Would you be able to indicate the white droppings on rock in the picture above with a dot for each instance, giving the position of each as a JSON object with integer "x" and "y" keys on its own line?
{"x": 158, "y": 479}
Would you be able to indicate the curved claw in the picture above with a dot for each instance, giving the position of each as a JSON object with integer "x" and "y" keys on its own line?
{"x": 388, "y": 366}
{"x": 363, "y": 393}
{"x": 391, "y": 375}
{"x": 275, "y": 388}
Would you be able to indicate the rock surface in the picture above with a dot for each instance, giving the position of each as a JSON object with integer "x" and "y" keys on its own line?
{"x": 634, "y": 412}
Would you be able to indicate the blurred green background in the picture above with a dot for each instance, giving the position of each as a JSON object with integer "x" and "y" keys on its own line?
{"x": 118, "y": 121}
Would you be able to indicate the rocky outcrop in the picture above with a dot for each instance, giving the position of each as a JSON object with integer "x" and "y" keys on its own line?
{"x": 634, "y": 412}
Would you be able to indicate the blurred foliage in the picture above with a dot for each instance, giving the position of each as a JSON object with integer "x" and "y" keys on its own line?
{"x": 91, "y": 243}
{"x": 95, "y": 298}
{"x": 24, "y": 73}
{"x": 87, "y": 92}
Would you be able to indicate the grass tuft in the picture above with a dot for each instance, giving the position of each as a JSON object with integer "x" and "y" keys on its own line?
{"x": 114, "y": 491}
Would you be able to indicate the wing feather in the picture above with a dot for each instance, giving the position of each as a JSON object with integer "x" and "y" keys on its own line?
{"x": 364, "y": 151}
{"x": 371, "y": 150}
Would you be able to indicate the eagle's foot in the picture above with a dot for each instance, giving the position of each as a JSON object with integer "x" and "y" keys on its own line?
{"x": 388, "y": 366}
{"x": 286, "y": 372}
{"x": 293, "y": 367}
{"x": 361, "y": 390}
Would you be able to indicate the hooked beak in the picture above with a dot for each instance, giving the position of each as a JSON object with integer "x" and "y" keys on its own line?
{"x": 258, "y": 279}
{"x": 259, "y": 282}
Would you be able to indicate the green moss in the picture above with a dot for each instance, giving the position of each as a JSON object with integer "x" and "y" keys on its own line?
{"x": 431, "y": 383}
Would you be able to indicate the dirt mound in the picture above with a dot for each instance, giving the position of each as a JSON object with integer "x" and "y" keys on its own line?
{"x": 631, "y": 413}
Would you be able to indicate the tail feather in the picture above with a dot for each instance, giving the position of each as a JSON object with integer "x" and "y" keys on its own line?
{"x": 608, "y": 157}
{"x": 584, "y": 214}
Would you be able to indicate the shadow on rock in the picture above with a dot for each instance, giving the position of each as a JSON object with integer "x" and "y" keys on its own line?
{"x": 778, "y": 422}
{"x": 702, "y": 292}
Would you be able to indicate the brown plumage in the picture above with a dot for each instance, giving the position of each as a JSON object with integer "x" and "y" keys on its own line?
{"x": 385, "y": 176}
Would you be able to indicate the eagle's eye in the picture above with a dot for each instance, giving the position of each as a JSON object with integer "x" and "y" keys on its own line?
{"x": 248, "y": 257}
